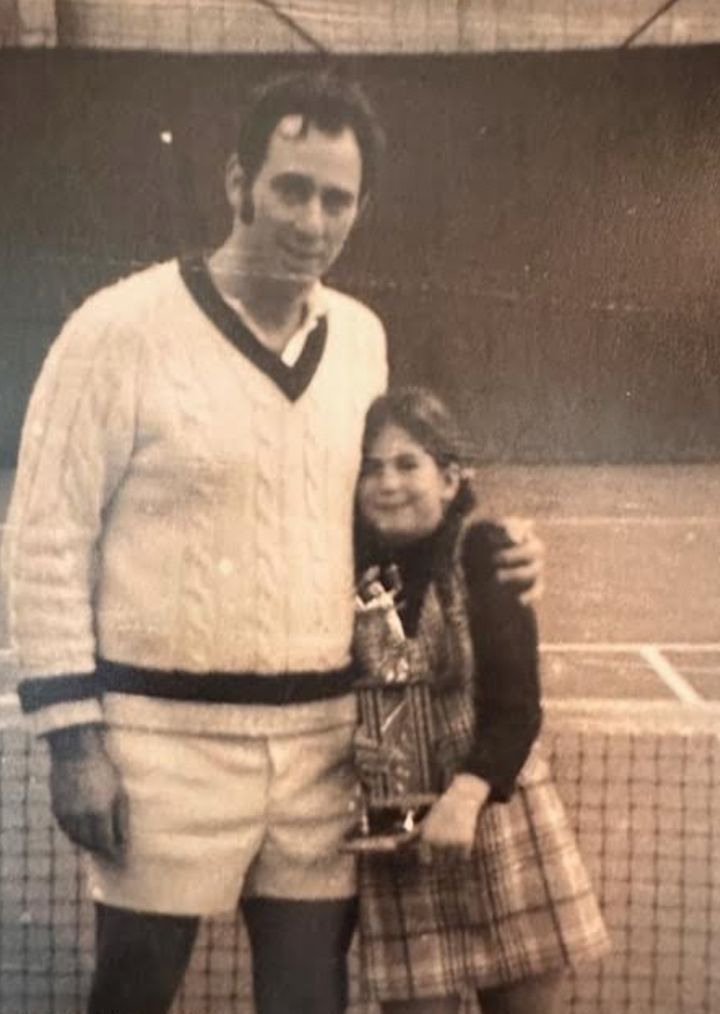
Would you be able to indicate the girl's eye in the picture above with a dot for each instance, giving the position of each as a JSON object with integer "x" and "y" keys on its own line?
{"x": 370, "y": 467}
{"x": 407, "y": 463}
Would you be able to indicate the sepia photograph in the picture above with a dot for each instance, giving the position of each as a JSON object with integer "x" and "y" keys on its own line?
{"x": 359, "y": 524}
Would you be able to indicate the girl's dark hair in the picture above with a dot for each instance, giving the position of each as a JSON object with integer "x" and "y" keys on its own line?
{"x": 426, "y": 418}
{"x": 323, "y": 99}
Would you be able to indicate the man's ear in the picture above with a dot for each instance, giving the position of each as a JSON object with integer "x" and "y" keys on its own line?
{"x": 363, "y": 205}
{"x": 235, "y": 183}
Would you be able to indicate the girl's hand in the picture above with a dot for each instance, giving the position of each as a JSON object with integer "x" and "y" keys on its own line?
{"x": 452, "y": 820}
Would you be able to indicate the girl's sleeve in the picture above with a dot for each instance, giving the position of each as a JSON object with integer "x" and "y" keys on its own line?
{"x": 77, "y": 440}
{"x": 507, "y": 685}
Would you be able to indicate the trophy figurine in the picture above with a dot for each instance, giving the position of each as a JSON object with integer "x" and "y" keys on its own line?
{"x": 394, "y": 737}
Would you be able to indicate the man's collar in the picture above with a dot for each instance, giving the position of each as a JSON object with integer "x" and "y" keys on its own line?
{"x": 314, "y": 307}
{"x": 292, "y": 374}
{"x": 316, "y": 302}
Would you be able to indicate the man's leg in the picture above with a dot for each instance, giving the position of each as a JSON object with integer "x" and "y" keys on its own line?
{"x": 299, "y": 953}
{"x": 141, "y": 959}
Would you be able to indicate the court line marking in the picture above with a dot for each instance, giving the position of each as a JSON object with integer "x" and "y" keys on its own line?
{"x": 10, "y": 700}
{"x": 643, "y": 705}
{"x": 633, "y": 717}
{"x": 578, "y": 520}
{"x": 627, "y": 647}
{"x": 574, "y": 646}
{"x": 670, "y": 676}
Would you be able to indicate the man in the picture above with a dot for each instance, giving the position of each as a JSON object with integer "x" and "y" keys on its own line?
{"x": 180, "y": 571}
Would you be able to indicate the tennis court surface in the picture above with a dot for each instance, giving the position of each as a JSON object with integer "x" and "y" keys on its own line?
{"x": 631, "y": 668}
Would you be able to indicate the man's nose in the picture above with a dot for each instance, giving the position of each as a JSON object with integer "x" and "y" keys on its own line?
{"x": 310, "y": 219}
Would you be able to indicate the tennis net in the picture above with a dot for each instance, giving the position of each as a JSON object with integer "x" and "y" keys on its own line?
{"x": 641, "y": 792}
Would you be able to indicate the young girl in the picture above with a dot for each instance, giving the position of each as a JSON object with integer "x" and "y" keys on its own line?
{"x": 494, "y": 898}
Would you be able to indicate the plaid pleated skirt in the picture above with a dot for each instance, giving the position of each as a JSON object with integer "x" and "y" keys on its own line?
{"x": 521, "y": 905}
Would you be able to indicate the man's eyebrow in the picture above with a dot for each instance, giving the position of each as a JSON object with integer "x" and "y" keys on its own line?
{"x": 342, "y": 192}
{"x": 291, "y": 176}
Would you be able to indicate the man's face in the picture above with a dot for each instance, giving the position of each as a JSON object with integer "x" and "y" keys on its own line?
{"x": 305, "y": 200}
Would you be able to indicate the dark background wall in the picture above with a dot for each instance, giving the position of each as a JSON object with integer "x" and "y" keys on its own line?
{"x": 544, "y": 249}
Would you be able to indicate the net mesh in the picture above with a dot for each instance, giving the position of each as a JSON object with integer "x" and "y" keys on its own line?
{"x": 645, "y": 807}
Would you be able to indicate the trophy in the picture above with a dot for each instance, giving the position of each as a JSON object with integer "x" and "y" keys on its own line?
{"x": 393, "y": 742}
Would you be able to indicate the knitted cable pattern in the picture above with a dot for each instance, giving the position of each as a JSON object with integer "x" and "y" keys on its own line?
{"x": 175, "y": 510}
{"x": 269, "y": 580}
{"x": 81, "y": 411}
{"x": 191, "y": 404}
{"x": 315, "y": 469}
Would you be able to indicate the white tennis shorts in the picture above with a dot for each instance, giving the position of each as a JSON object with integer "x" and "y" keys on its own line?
{"x": 214, "y": 817}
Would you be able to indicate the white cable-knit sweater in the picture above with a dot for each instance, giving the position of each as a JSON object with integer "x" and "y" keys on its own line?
{"x": 176, "y": 509}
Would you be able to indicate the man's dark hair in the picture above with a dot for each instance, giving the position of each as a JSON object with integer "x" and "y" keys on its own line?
{"x": 324, "y": 100}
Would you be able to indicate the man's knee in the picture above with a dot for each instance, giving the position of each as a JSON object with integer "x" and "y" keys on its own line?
{"x": 140, "y": 960}
{"x": 299, "y": 953}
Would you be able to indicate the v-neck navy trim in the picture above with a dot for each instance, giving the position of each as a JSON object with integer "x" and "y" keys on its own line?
{"x": 292, "y": 380}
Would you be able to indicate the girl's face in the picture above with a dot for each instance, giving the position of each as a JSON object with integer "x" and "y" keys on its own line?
{"x": 403, "y": 493}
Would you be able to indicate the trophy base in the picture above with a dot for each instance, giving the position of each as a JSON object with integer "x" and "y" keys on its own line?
{"x": 387, "y": 828}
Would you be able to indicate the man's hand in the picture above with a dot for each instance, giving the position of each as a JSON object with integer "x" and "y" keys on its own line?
{"x": 87, "y": 797}
{"x": 452, "y": 821}
{"x": 520, "y": 562}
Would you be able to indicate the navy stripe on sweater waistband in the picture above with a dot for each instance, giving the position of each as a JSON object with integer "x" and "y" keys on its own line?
{"x": 37, "y": 693}
{"x": 225, "y": 687}
{"x": 208, "y": 688}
